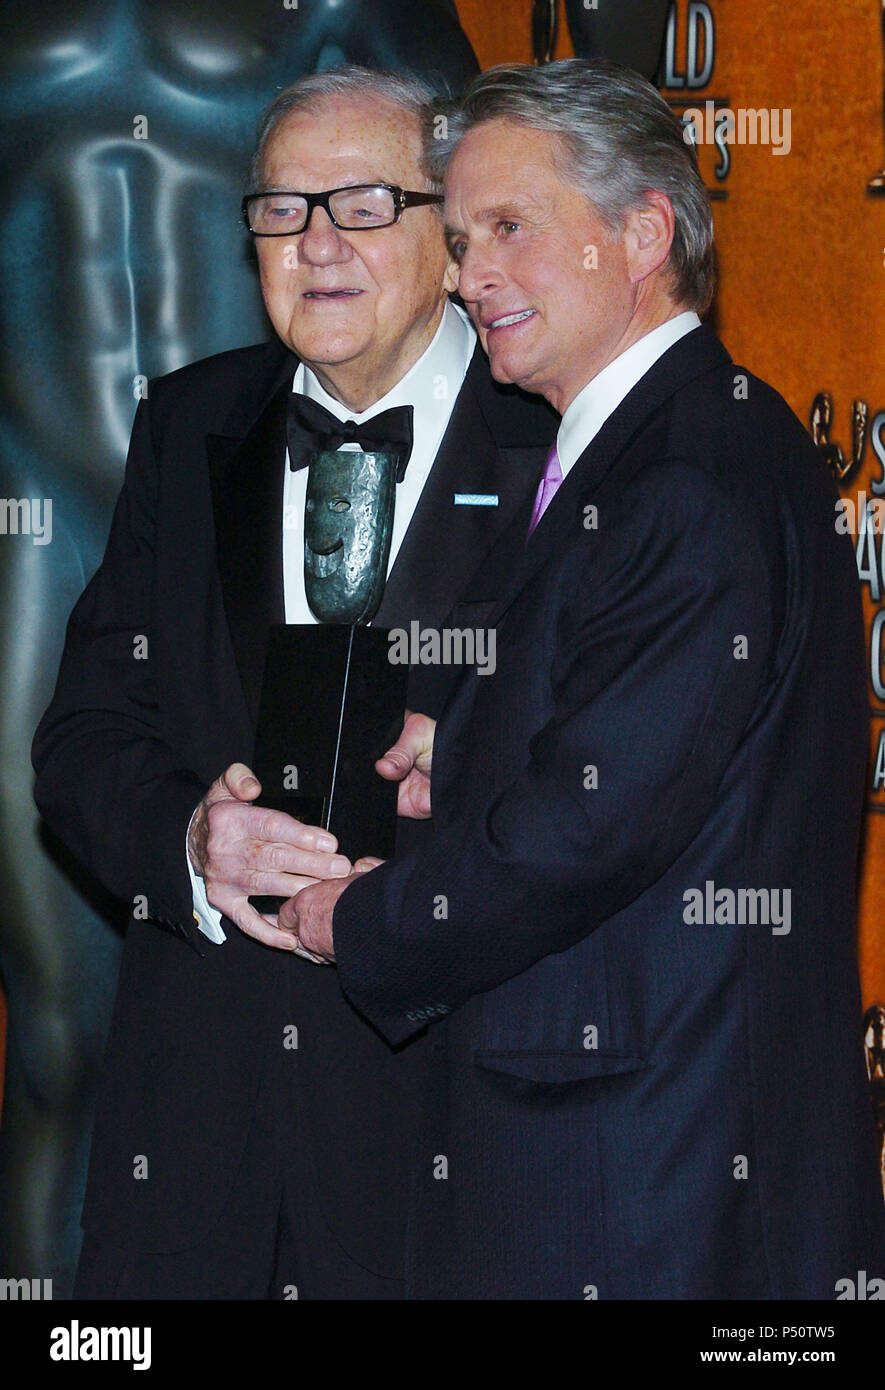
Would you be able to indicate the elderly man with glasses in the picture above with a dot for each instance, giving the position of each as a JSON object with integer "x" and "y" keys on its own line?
{"x": 255, "y": 1137}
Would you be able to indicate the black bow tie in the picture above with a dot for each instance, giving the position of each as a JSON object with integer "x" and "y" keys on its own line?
{"x": 311, "y": 429}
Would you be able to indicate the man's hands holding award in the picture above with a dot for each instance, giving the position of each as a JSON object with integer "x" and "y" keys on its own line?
{"x": 309, "y": 913}
{"x": 243, "y": 850}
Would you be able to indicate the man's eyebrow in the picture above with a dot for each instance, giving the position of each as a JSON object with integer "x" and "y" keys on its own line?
{"x": 348, "y": 183}
{"x": 490, "y": 214}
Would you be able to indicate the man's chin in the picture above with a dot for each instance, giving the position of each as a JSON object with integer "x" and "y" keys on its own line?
{"x": 328, "y": 351}
{"x": 505, "y": 370}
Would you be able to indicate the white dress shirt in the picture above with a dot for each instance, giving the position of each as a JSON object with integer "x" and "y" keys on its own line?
{"x": 431, "y": 386}
{"x": 600, "y": 398}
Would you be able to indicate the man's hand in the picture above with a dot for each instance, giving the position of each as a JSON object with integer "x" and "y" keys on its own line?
{"x": 408, "y": 762}
{"x": 241, "y": 850}
{"x": 308, "y": 916}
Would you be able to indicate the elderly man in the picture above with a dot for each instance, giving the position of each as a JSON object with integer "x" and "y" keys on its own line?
{"x": 254, "y": 1136}
{"x": 647, "y": 820}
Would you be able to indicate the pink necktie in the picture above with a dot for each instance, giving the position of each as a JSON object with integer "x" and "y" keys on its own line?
{"x": 546, "y": 488}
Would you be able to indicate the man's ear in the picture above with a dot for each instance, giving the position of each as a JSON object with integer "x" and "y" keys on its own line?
{"x": 450, "y": 279}
{"x": 648, "y": 235}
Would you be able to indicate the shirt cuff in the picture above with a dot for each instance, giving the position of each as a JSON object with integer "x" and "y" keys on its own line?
{"x": 207, "y": 918}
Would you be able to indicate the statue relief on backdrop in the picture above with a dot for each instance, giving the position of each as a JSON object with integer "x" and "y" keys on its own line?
{"x": 126, "y": 129}
{"x": 626, "y": 31}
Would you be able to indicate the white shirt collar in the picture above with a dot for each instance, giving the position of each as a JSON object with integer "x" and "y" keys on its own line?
{"x": 429, "y": 385}
{"x": 601, "y": 397}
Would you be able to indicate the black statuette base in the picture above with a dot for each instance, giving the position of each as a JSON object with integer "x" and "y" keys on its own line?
{"x": 331, "y": 704}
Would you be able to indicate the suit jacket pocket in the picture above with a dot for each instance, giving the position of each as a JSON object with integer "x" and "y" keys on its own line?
{"x": 559, "y": 1068}
{"x": 472, "y": 612}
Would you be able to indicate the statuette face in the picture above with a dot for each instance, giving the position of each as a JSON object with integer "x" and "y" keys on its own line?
{"x": 348, "y": 522}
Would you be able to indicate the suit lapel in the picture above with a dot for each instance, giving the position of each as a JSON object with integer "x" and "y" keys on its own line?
{"x": 697, "y": 353}
{"x": 516, "y": 558}
{"x": 443, "y": 544}
{"x": 446, "y": 541}
{"x": 246, "y": 476}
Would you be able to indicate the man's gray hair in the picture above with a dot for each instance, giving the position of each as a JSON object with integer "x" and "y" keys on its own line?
{"x": 309, "y": 93}
{"x": 619, "y": 139}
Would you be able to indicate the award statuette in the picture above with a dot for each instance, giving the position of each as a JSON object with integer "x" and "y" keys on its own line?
{"x": 332, "y": 702}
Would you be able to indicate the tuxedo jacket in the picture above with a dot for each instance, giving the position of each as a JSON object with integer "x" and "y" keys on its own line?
{"x": 157, "y": 694}
{"x": 641, "y": 1097}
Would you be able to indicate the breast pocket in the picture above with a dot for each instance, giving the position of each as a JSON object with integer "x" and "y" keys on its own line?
{"x": 551, "y": 1068}
{"x": 471, "y": 613}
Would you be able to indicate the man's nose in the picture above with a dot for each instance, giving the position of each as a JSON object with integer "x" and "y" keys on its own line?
{"x": 478, "y": 275}
{"x": 321, "y": 241}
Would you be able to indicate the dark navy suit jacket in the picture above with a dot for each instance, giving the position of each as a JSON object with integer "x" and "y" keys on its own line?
{"x": 630, "y": 1103}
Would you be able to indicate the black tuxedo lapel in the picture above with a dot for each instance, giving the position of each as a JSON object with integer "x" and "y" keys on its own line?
{"x": 246, "y": 474}
{"x": 495, "y": 444}
{"x": 484, "y": 452}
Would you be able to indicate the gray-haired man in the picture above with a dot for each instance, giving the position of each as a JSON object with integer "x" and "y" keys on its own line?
{"x": 254, "y": 1136}
{"x": 647, "y": 819}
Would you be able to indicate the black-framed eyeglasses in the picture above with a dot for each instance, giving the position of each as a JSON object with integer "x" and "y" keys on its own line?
{"x": 359, "y": 207}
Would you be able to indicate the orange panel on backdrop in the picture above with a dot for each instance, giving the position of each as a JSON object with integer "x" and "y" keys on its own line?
{"x": 801, "y": 243}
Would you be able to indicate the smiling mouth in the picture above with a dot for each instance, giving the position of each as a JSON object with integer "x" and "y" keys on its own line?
{"x": 321, "y": 563}
{"x": 509, "y": 319}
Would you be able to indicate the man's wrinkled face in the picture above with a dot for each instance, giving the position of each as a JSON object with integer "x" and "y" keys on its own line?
{"x": 546, "y": 284}
{"x": 359, "y": 307}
